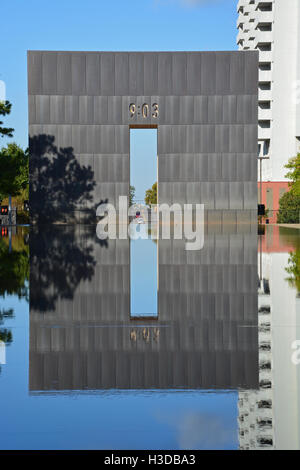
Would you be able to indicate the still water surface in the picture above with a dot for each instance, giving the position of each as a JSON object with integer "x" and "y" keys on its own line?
{"x": 212, "y": 369}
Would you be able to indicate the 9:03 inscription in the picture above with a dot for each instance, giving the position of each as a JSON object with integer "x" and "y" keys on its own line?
{"x": 144, "y": 110}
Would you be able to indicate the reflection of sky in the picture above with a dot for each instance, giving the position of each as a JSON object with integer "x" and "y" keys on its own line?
{"x": 107, "y": 420}
{"x": 143, "y": 276}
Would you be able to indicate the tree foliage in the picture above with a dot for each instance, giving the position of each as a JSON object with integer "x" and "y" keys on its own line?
{"x": 289, "y": 203}
{"x": 14, "y": 270}
{"x": 294, "y": 174}
{"x": 289, "y": 209}
{"x": 5, "y": 108}
{"x": 151, "y": 195}
{"x": 14, "y": 170}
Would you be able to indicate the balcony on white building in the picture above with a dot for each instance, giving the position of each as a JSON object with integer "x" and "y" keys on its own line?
{"x": 240, "y": 36}
{"x": 265, "y": 17}
{"x": 264, "y": 92}
{"x": 253, "y": 16}
{"x": 263, "y": 37}
{"x": 265, "y": 56}
{"x": 240, "y": 5}
{"x": 240, "y": 21}
{"x": 261, "y": 4}
{"x": 249, "y": 8}
{"x": 265, "y": 76}
{"x": 264, "y": 130}
{"x": 264, "y": 114}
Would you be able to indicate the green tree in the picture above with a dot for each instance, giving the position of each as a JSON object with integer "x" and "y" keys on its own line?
{"x": 131, "y": 195}
{"x": 14, "y": 170}
{"x": 294, "y": 174}
{"x": 289, "y": 203}
{"x": 289, "y": 208}
{"x": 5, "y": 108}
{"x": 151, "y": 195}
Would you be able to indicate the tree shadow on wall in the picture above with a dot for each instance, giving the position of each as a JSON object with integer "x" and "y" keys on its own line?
{"x": 60, "y": 188}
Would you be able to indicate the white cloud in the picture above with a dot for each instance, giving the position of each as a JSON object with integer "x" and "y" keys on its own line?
{"x": 203, "y": 431}
{"x": 200, "y": 430}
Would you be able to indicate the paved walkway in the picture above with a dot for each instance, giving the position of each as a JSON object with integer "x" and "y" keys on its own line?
{"x": 289, "y": 225}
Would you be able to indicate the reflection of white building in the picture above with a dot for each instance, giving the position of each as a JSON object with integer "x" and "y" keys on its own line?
{"x": 2, "y": 353}
{"x": 270, "y": 417}
{"x": 285, "y": 330}
{"x": 256, "y": 407}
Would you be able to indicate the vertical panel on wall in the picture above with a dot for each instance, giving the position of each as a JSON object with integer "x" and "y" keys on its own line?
{"x": 136, "y": 74}
{"x": 64, "y": 73}
{"x": 34, "y": 69}
{"x": 150, "y": 73}
{"x": 107, "y": 72}
{"x": 49, "y": 73}
{"x": 121, "y": 74}
{"x": 93, "y": 84}
{"x": 78, "y": 63}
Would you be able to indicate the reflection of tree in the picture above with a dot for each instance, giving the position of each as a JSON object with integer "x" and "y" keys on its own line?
{"x": 6, "y": 314}
{"x": 6, "y": 336}
{"x": 14, "y": 275}
{"x": 60, "y": 258}
{"x": 294, "y": 270}
{"x": 14, "y": 270}
{"x": 59, "y": 185}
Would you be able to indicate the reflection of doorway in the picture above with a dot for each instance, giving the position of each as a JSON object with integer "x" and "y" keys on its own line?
{"x": 143, "y": 279}
{"x": 143, "y": 250}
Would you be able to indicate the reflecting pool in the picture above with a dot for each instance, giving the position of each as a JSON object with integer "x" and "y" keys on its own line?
{"x": 144, "y": 345}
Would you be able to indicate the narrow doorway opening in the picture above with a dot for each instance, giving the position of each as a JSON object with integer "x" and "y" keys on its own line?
{"x": 143, "y": 247}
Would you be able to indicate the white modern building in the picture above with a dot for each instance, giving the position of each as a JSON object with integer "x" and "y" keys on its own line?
{"x": 273, "y": 28}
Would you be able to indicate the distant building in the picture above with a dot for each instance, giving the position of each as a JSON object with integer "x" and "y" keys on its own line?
{"x": 273, "y": 28}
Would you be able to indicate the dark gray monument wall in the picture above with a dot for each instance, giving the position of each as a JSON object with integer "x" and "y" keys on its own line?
{"x": 204, "y": 105}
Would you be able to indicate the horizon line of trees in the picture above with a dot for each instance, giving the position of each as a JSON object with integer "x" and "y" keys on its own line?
{"x": 14, "y": 163}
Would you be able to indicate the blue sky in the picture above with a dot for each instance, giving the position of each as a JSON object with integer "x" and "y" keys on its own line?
{"x": 143, "y": 160}
{"x": 104, "y": 25}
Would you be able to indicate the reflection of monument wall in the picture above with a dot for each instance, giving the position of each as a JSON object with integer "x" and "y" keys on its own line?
{"x": 205, "y": 336}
